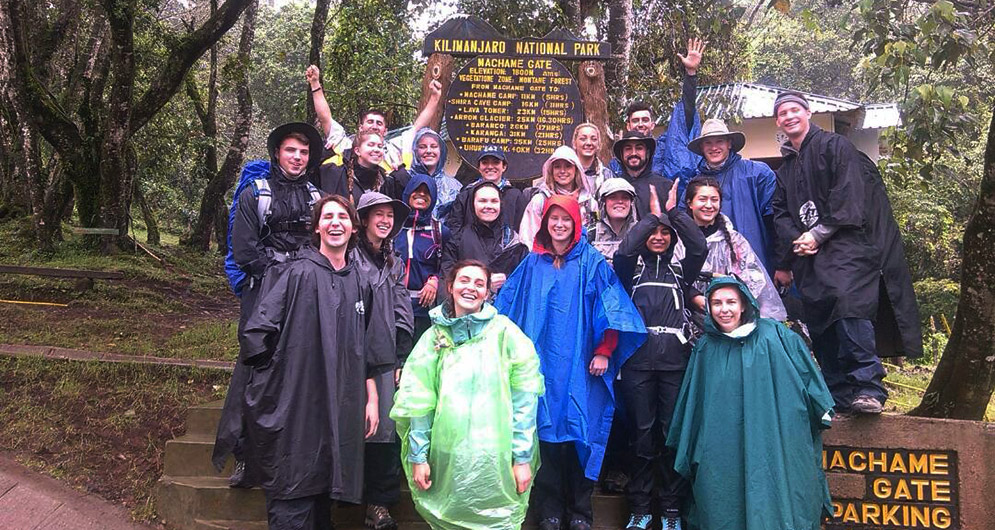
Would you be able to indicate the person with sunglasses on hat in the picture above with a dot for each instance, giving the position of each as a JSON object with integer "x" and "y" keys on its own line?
{"x": 669, "y": 153}
{"x": 260, "y": 237}
{"x": 837, "y": 239}
{"x": 491, "y": 164}
{"x": 747, "y": 186}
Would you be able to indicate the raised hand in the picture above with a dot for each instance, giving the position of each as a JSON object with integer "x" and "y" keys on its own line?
{"x": 691, "y": 61}
{"x": 313, "y": 76}
{"x": 655, "y": 202}
{"x": 672, "y": 197}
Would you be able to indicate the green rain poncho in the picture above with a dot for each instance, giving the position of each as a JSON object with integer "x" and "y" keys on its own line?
{"x": 464, "y": 374}
{"x": 747, "y": 428}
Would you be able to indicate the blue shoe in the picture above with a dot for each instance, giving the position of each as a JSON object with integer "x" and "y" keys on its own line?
{"x": 639, "y": 522}
{"x": 670, "y": 523}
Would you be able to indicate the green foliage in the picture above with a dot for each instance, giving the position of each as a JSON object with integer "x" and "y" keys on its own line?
{"x": 279, "y": 58}
{"x": 517, "y": 18}
{"x": 937, "y": 306}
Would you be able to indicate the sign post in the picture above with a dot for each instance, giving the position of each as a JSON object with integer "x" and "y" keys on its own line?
{"x": 515, "y": 93}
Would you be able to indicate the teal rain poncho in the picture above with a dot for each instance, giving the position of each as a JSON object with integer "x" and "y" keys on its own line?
{"x": 747, "y": 428}
{"x": 467, "y": 390}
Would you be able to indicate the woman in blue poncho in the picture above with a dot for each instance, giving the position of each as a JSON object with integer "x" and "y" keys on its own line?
{"x": 566, "y": 298}
{"x": 747, "y": 428}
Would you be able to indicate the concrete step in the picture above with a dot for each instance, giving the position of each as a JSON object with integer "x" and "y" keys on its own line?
{"x": 190, "y": 456}
{"x": 203, "y": 419}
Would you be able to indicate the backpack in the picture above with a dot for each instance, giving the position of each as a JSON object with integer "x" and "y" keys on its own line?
{"x": 255, "y": 174}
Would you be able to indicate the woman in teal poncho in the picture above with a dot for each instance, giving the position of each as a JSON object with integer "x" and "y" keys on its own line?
{"x": 466, "y": 411}
{"x": 748, "y": 423}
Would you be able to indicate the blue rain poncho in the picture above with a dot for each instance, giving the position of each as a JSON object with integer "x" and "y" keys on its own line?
{"x": 747, "y": 427}
{"x": 565, "y": 311}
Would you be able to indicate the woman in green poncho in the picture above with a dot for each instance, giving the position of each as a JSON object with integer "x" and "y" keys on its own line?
{"x": 466, "y": 411}
{"x": 747, "y": 427}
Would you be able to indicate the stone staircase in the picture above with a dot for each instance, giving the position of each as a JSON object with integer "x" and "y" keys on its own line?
{"x": 191, "y": 495}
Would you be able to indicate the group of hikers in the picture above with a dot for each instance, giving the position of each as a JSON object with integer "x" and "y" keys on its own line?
{"x": 506, "y": 347}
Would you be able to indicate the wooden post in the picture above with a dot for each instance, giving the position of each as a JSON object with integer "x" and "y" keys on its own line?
{"x": 440, "y": 67}
{"x": 594, "y": 95}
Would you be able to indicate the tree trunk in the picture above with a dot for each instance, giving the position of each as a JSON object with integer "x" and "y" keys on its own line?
{"x": 620, "y": 38}
{"x": 318, "y": 23}
{"x": 964, "y": 380}
{"x": 594, "y": 96}
{"x": 572, "y": 11}
{"x": 222, "y": 179}
{"x": 439, "y": 67}
{"x": 151, "y": 226}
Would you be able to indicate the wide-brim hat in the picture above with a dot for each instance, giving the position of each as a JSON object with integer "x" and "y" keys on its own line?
{"x": 634, "y": 136}
{"x": 315, "y": 143}
{"x": 372, "y": 198}
{"x": 715, "y": 128}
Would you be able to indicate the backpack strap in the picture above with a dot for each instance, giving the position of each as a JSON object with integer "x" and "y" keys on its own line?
{"x": 506, "y": 235}
{"x": 264, "y": 199}
{"x": 315, "y": 193}
{"x": 436, "y": 232}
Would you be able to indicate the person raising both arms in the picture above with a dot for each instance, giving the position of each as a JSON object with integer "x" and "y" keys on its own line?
{"x": 397, "y": 151}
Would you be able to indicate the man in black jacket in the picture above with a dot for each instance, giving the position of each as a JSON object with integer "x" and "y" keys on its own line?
{"x": 634, "y": 152}
{"x": 271, "y": 221}
{"x": 838, "y": 241}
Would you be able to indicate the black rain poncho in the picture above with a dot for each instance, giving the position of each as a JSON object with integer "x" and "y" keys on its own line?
{"x": 306, "y": 396}
{"x": 859, "y": 272}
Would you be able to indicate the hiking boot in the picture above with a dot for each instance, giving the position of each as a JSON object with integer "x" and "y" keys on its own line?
{"x": 670, "y": 523}
{"x": 614, "y": 482}
{"x": 550, "y": 523}
{"x": 579, "y": 524}
{"x": 639, "y": 521}
{"x": 237, "y": 478}
{"x": 865, "y": 404}
{"x": 378, "y": 518}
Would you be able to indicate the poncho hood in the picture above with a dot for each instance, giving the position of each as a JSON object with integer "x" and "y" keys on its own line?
{"x": 423, "y": 217}
{"x": 543, "y": 238}
{"x": 417, "y": 166}
{"x": 749, "y": 315}
{"x": 464, "y": 328}
{"x": 567, "y": 153}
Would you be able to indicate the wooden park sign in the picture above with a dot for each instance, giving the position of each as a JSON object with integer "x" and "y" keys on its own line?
{"x": 515, "y": 93}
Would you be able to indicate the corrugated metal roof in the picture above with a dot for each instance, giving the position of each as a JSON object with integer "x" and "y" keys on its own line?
{"x": 881, "y": 116}
{"x": 751, "y": 100}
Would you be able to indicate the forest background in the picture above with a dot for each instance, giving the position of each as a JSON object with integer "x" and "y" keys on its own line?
{"x": 138, "y": 114}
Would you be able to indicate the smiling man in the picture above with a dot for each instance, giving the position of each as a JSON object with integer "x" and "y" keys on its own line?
{"x": 837, "y": 238}
{"x": 747, "y": 186}
{"x": 634, "y": 153}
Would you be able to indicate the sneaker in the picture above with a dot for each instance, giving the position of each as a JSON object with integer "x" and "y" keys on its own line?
{"x": 378, "y": 518}
{"x": 639, "y": 522}
{"x": 579, "y": 524}
{"x": 237, "y": 478}
{"x": 550, "y": 523}
{"x": 670, "y": 523}
{"x": 865, "y": 404}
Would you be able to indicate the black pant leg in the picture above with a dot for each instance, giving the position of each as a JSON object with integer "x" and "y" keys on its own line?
{"x": 639, "y": 389}
{"x": 230, "y": 437}
{"x": 858, "y": 354}
{"x": 673, "y": 487}
{"x": 579, "y": 488}
{"x": 548, "y": 491}
{"x": 306, "y": 513}
{"x": 382, "y": 473}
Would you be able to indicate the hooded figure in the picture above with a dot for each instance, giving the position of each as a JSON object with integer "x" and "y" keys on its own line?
{"x": 256, "y": 244}
{"x": 660, "y": 290}
{"x": 468, "y": 395}
{"x": 419, "y": 245}
{"x": 748, "y": 426}
{"x": 601, "y": 234}
{"x": 573, "y": 307}
{"x": 641, "y": 182}
{"x": 747, "y": 189}
{"x": 494, "y": 243}
{"x": 548, "y": 187}
{"x": 447, "y": 186}
{"x": 305, "y": 400}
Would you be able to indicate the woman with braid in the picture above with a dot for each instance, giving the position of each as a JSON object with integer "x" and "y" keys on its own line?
{"x": 729, "y": 253}
{"x": 361, "y": 172}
